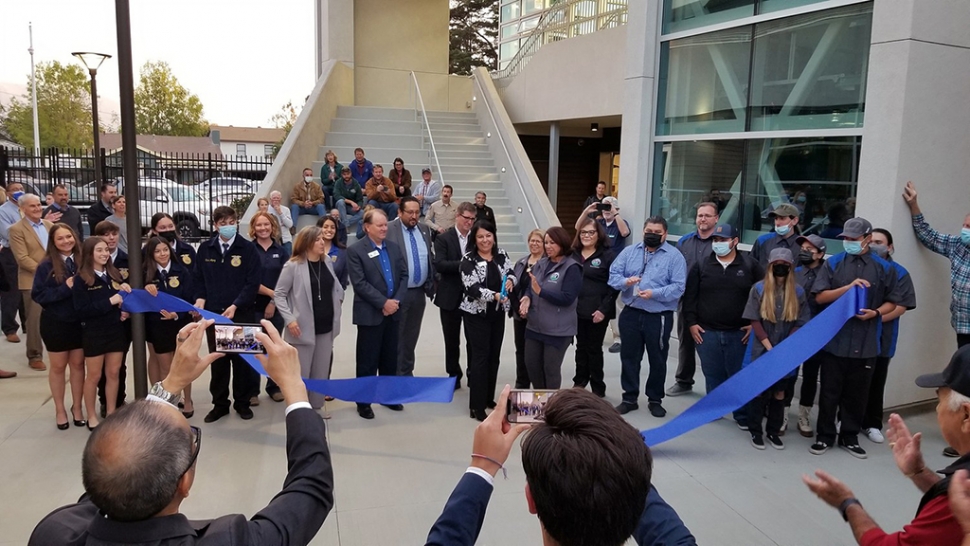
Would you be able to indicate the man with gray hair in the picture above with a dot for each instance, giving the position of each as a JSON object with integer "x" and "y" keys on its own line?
{"x": 483, "y": 212}
{"x": 283, "y": 218}
{"x": 28, "y": 241}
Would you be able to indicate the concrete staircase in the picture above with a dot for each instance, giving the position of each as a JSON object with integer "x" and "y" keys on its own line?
{"x": 466, "y": 164}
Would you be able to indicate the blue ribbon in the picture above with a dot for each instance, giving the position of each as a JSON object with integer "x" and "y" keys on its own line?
{"x": 363, "y": 390}
{"x": 764, "y": 372}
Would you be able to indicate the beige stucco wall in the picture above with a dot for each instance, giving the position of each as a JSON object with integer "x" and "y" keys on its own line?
{"x": 392, "y": 88}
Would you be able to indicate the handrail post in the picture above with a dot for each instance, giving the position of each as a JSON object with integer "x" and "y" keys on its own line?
{"x": 427, "y": 124}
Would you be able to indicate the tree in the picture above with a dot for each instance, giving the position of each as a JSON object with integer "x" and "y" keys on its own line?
{"x": 63, "y": 109}
{"x": 473, "y": 35}
{"x": 284, "y": 119}
{"x": 164, "y": 107}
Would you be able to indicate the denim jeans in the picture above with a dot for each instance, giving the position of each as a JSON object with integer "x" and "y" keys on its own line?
{"x": 390, "y": 209}
{"x": 721, "y": 354}
{"x": 349, "y": 218}
{"x": 644, "y": 332}
{"x": 297, "y": 210}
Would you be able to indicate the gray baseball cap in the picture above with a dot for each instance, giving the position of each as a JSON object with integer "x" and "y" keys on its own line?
{"x": 813, "y": 240}
{"x": 856, "y": 227}
{"x": 781, "y": 255}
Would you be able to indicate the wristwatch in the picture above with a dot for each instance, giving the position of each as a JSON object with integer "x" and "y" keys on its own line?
{"x": 159, "y": 392}
{"x": 844, "y": 507}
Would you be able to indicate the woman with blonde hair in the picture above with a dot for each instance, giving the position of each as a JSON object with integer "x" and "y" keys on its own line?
{"x": 521, "y": 270}
{"x": 309, "y": 296}
{"x": 777, "y": 308}
{"x": 264, "y": 232}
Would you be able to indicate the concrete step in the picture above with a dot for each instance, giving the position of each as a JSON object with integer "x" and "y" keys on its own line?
{"x": 467, "y": 169}
{"x": 438, "y": 114}
{"x": 345, "y": 154}
{"x": 461, "y": 162}
{"x": 372, "y": 112}
{"x": 453, "y": 133}
{"x": 465, "y": 179}
{"x": 462, "y": 154}
{"x": 450, "y": 142}
{"x": 354, "y": 139}
{"x": 460, "y": 147}
{"x": 457, "y": 122}
{"x": 439, "y": 127}
{"x": 376, "y": 126}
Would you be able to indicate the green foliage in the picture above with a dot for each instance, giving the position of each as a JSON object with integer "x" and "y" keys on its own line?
{"x": 63, "y": 109}
{"x": 241, "y": 205}
{"x": 473, "y": 35}
{"x": 164, "y": 107}
{"x": 284, "y": 119}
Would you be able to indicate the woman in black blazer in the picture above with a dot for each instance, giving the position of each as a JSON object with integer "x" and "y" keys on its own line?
{"x": 596, "y": 305}
{"x": 171, "y": 276}
{"x": 59, "y": 327}
{"x": 97, "y": 303}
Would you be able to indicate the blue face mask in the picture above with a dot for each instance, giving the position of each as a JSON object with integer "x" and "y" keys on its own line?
{"x": 782, "y": 230}
{"x": 227, "y": 232}
{"x": 852, "y": 247}
{"x": 17, "y": 195}
{"x": 722, "y": 248}
{"x": 965, "y": 236}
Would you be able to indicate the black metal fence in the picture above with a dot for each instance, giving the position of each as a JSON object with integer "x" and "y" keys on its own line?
{"x": 187, "y": 186}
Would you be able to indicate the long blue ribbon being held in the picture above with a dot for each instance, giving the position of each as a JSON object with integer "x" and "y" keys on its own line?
{"x": 764, "y": 372}
{"x": 364, "y": 390}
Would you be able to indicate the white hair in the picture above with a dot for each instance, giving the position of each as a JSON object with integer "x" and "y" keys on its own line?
{"x": 276, "y": 193}
{"x": 612, "y": 201}
{"x": 26, "y": 198}
{"x": 956, "y": 400}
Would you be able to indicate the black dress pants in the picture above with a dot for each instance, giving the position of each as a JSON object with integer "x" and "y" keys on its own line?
{"x": 484, "y": 333}
{"x": 844, "y": 394}
{"x": 451, "y": 329}
{"x": 809, "y": 389}
{"x": 589, "y": 355}
{"x": 521, "y": 371}
{"x": 10, "y": 301}
{"x": 245, "y": 381}
{"x": 377, "y": 350}
{"x": 686, "y": 353}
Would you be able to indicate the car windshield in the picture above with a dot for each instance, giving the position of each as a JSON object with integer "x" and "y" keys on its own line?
{"x": 182, "y": 193}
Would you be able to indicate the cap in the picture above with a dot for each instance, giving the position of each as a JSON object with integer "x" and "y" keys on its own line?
{"x": 956, "y": 375}
{"x": 725, "y": 230}
{"x": 345, "y": 170}
{"x": 780, "y": 255}
{"x": 425, "y": 170}
{"x": 856, "y": 227}
{"x": 784, "y": 209}
{"x": 813, "y": 240}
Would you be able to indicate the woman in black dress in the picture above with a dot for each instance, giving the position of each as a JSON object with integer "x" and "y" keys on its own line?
{"x": 59, "y": 327}
{"x": 97, "y": 303}
{"x": 164, "y": 274}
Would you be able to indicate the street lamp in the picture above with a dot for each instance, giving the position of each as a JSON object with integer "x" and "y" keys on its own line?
{"x": 92, "y": 61}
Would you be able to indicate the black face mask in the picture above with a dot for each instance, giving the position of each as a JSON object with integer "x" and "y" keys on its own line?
{"x": 168, "y": 236}
{"x": 781, "y": 270}
{"x": 805, "y": 257}
{"x": 652, "y": 240}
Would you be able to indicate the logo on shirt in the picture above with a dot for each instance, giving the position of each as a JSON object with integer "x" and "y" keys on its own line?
{"x": 173, "y": 282}
{"x": 116, "y": 285}
{"x": 596, "y": 263}
{"x": 554, "y": 277}
{"x": 236, "y": 261}
{"x": 124, "y": 272}
{"x": 186, "y": 259}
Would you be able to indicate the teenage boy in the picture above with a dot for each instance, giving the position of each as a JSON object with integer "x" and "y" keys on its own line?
{"x": 785, "y": 217}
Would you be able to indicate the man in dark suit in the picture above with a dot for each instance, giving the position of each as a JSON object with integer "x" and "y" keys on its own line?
{"x": 560, "y": 471}
{"x": 101, "y": 209}
{"x": 414, "y": 240}
{"x": 380, "y": 278}
{"x": 449, "y": 247}
{"x": 139, "y": 465}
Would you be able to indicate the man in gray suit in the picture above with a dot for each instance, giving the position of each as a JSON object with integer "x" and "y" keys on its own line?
{"x": 414, "y": 239}
{"x": 380, "y": 278}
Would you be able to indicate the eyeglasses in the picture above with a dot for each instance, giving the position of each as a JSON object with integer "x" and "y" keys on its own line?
{"x": 589, "y": 233}
{"x": 198, "y": 447}
{"x": 469, "y": 218}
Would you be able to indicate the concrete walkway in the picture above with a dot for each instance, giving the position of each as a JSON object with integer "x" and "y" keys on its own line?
{"x": 394, "y": 473}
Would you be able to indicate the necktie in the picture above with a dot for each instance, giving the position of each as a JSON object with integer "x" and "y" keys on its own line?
{"x": 416, "y": 274}
{"x": 71, "y": 268}
{"x": 225, "y": 248}
{"x": 163, "y": 276}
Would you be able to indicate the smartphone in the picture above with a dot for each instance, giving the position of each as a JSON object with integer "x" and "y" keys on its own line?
{"x": 235, "y": 339}
{"x": 527, "y": 406}
{"x": 603, "y": 206}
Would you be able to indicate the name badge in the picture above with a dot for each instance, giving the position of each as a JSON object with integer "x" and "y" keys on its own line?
{"x": 373, "y": 254}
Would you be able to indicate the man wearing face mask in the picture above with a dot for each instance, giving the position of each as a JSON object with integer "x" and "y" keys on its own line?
{"x": 714, "y": 301}
{"x": 811, "y": 258}
{"x": 650, "y": 277}
{"x": 785, "y": 235}
{"x": 306, "y": 197}
{"x": 848, "y": 360}
{"x": 955, "y": 248}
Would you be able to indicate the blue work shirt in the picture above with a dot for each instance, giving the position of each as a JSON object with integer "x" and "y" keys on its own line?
{"x": 422, "y": 255}
{"x": 664, "y": 271}
{"x": 41, "y": 230}
{"x": 385, "y": 259}
{"x": 9, "y": 215}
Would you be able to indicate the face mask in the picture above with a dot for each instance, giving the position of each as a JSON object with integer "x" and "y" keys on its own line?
{"x": 853, "y": 247}
{"x": 881, "y": 250}
{"x": 805, "y": 257}
{"x": 227, "y": 232}
{"x": 308, "y": 179}
{"x": 169, "y": 236}
{"x": 782, "y": 230}
{"x": 17, "y": 195}
{"x": 965, "y": 236}
{"x": 721, "y": 249}
{"x": 780, "y": 270}
{"x": 652, "y": 240}
{"x": 801, "y": 199}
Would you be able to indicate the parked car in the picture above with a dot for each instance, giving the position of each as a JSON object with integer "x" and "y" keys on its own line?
{"x": 224, "y": 184}
{"x": 188, "y": 208}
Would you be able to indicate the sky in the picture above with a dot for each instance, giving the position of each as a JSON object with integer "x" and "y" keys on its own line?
{"x": 243, "y": 58}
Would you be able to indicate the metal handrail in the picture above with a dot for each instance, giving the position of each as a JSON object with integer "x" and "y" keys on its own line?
{"x": 508, "y": 155}
{"x": 427, "y": 124}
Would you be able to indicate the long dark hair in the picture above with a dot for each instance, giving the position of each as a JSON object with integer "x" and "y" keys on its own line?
{"x": 472, "y": 245}
{"x": 602, "y": 241}
{"x": 157, "y": 217}
{"x": 54, "y": 255}
{"x": 336, "y": 229}
{"x": 86, "y": 268}
{"x": 151, "y": 266}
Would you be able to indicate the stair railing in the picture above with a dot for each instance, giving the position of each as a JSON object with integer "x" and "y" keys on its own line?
{"x": 415, "y": 91}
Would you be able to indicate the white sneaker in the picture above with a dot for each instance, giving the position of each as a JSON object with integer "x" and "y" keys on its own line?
{"x": 874, "y": 435}
{"x": 804, "y": 421}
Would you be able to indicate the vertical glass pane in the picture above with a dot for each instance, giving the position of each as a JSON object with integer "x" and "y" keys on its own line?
{"x": 510, "y": 12}
{"x": 817, "y": 175}
{"x": 509, "y": 30}
{"x": 532, "y": 6}
{"x": 809, "y": 71}
{"x": 704, "y": 83}
{"x": 767, "y": 6}
{"x": 687, "y": 14}
{"x": 508, "y": 49}
{"x": 688, "y": 173}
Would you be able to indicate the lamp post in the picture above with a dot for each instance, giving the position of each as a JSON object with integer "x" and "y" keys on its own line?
{"x": 92, "y": 61}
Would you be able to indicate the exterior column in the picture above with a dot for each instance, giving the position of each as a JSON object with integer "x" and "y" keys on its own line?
{"x": 334, "y": 32}
{"x": 553, "y": 186}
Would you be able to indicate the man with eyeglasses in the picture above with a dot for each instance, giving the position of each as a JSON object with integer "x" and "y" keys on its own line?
{"x": 449, "y": 247}
{"x": 140, "y": 463}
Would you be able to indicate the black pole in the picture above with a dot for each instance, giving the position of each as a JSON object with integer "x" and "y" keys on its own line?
{"x": 128, "y": 132}
{"x": 97, "y": 128}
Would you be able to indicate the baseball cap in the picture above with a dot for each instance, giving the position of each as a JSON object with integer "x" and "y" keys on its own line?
{"x": 956, "y": 375}
{"x": 425, "y": 170}
{"x": 813, "y": 240}
{"x": 725, "y": 230}
{"x": 784, "y": 209}
{"x": 780, "y": 255}
{"x": 856, "y": 227}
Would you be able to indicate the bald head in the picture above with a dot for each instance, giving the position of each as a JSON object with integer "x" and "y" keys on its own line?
{"x": 134, "y": 460}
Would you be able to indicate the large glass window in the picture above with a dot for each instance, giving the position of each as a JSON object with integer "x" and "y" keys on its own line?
{"x": 748, "y": 178}
{"x": 687, "y": 14}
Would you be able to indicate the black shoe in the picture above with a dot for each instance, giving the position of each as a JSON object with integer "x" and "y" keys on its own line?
{"x": 492, "y": 404}
{"x": 656, "y": 409}
{"x": 854, "y": 449}
{"x": 757, "y": 442}
{"x": 601, "y": 394}
{"x": 950, "y": 452}
{"x": 742, "y": 426}
{"x": 245, "y": 413}
{"x": 394, "y": 407}
{"x": 818, "y": 448}
{"x": 775, "y": 441}
{"x": 63, "y": 426}
{"x": 626, "y": 407}
{"x": 365, "y": 411}
{"x": 78, "y": 422}
{"x": 216, "y": 414}
{"x": 478, "y": 414}
{"x": 615, "y": 348}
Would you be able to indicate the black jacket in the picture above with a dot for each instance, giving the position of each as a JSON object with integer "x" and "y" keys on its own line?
{"x": 56, "y": 298}
{"x": 230, "y": 279}
{"x": 447, "y": 258}
{"x": 596, "y": 294}
{"x": 96, "y": 213}
{"x": 367, "y": 277}
{"x": 70, "y": 216}
{"x": 715, "y": 297}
